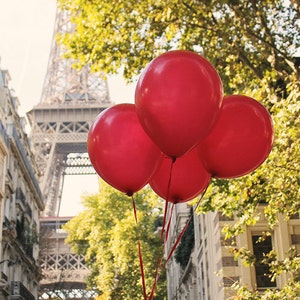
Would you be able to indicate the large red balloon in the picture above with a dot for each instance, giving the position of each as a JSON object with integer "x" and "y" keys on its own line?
{"x": 178, "y": 98}
{"x": 188, "y": 179}
{"x": 241, "y": 139}
{"x": 120, "y": 150}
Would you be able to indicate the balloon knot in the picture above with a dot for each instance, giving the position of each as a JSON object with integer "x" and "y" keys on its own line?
{"x": 176, "y": 199}
{"x": 129, "y": 193}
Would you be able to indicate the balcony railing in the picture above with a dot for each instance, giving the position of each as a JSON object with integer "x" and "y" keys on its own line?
{"x": 18, "y": 290}
{"x": 20, "y": 195}
{"x": 26, "y": 162}
{"x": 4, "y": 277}
{"x": 24, "y": 236}
{"x": 4, "y": 134}
{"x": 28, "y": 210}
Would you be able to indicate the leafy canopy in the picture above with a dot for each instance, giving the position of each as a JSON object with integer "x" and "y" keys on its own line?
{"x": 242, "y": 39}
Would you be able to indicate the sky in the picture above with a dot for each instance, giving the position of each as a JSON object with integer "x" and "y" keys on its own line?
{"x": 26, "y": 32}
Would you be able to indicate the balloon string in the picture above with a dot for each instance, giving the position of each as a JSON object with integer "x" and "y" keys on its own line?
{"x": 159, "y": 266}
{"x": 178, "y": 239}
{"x": 168, "y": 226}
{"x": 184, "y": 229}
{"x": 165, "y": 217}
{"x": 134, "y": 209}
{"x": 142, "y": 271}
{"x": 167, "y": 200}
{"x": 159, "y": 259}
{"x": 140, "y": 253}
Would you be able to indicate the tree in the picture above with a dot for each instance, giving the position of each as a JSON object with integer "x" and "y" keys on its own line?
{"x": 252, "y": 44}
{"x": 242, "y": 39}
{"x": 107, "y": 235}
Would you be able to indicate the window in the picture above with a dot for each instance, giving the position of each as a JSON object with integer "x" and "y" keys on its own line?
{"x": 262, "y": 271}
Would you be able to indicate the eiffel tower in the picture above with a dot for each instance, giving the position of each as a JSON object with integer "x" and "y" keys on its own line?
{"x": 60, "y": 122}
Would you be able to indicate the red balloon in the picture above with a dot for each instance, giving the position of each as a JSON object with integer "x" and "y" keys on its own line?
{"x": 188, "y": 179}
{"x": 241, "y": 139}
{"x": 120, "y": 150}
{"x": 178, "y": 98}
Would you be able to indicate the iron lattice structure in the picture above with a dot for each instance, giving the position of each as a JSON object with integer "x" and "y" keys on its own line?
{"x": 70, "y": 101}
{"x": 64, "y": 273}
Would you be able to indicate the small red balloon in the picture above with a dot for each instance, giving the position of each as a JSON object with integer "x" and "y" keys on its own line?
{"x": 178, "y": 98}
{"x": 241, "y": 139}
{"x": 120, "y": 150}
{"x": 182, "y": 181}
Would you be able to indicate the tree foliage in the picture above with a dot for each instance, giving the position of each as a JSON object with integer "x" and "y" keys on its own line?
{"x": 275, "y": 186}
{"x": 252, "y": 44}
{"x": 242, "y": 39}
{"x": 107, "y": 235}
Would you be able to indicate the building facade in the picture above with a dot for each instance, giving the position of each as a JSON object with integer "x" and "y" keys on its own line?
{"x": 21, "y": 202}
{"x": 211, "y": 269}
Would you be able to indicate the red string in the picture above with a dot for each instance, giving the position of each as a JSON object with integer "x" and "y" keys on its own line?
{"x": 140, "y": 253}
{"x": 159, "y": 266}
{"x": 134, "y": 209}
{"x": 142, "y": 271}
{"x": 168, "y": 226}
{"x": 164, "y": 220}
{"x": 167, "y": 200}
{"x": 184, "y": 229}
{"x": 159, "y": 259}
{"x": 178, "y": 239}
